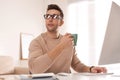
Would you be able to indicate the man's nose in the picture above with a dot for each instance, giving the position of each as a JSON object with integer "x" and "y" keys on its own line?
{"x": 50, "y": 19}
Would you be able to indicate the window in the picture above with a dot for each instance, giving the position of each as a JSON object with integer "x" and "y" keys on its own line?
{"x": 81, "y": 20}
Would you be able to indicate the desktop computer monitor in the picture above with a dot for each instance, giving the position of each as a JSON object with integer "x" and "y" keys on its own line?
{"x": 110, "y": 53}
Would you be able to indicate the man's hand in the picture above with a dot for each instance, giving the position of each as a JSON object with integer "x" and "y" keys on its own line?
{"x": 98, "y": 70}
{"x": 67, "y": 40}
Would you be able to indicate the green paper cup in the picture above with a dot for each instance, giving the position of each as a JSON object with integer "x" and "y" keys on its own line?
{"x": 75, "y": 36}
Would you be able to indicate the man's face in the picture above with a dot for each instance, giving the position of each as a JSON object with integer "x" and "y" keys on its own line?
{"x": 53, "y": 20}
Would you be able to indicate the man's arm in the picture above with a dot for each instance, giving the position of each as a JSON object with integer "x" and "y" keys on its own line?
{"x": 78, "y": 66}
{"x": 66, "y": 41}
{"x": 37, "y": 55}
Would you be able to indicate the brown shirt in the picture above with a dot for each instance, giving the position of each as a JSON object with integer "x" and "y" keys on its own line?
{"x": 40, "y": 62}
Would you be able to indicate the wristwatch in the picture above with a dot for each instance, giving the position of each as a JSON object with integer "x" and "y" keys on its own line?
{"x": 91, "y": 68}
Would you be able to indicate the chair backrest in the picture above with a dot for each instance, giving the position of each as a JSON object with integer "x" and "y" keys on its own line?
{"x": 6, "y": 65}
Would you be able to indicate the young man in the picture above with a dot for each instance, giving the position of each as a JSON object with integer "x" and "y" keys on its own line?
{"x": 53, "y": 52}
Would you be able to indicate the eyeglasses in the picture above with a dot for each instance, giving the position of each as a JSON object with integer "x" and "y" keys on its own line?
{"x": 54, "y": 16}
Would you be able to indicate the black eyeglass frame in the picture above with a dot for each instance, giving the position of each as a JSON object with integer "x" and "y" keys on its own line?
{"x": 53, "y": 16}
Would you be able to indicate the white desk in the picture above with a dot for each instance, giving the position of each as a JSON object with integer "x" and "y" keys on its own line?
{"x": 68, "y": 77}
{"x": 88, "y": 77}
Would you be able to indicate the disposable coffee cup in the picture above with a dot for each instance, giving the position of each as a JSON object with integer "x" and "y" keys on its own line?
{"x": 75, "y": 36}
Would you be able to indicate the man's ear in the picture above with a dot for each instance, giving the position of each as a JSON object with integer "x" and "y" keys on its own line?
{"x": 61, "y": 23}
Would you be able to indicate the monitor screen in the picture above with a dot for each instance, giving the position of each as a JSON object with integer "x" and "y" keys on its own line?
{"x": 110, "y": 53}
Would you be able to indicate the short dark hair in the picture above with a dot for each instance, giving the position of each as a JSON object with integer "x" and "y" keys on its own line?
{"x": 56, "y": 7}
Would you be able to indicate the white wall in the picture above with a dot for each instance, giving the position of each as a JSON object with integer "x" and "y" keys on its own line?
{"x": 18, "y": 16}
